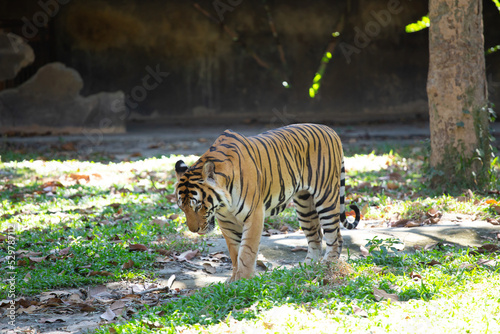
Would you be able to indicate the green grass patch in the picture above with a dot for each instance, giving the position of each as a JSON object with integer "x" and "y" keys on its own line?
{"x": 411, "y": 283}
{"x": 75, "y": 223}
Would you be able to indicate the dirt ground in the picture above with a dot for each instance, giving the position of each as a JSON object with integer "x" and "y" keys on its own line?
{"x": 277, "y": 250}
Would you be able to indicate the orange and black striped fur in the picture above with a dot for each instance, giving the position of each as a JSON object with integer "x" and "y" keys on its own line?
{"x": 241, "y": 180}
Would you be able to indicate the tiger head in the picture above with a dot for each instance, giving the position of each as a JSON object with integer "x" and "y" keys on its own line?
{"x": 197, "y": 194}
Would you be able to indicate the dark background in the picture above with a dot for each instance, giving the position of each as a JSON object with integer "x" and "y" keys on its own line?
{"x": 213, "y": 78}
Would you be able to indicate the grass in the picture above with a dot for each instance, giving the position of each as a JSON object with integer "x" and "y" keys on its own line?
{"x": 69, "y": 233}
{"x": 76, "y": 222}
{"x": 306, "y": 298}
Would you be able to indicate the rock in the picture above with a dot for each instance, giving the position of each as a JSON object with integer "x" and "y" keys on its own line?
{"x": 15, "y": 54}
{"x": 50, "y": 102}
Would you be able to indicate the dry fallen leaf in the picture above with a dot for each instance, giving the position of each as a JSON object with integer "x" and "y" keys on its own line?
{"x": 25, "y": 303}
{"x": 24, "y": 253}
{"x": 171, "y": 197}
{"x": 430, "y": 246}
{"x": 117, "y": 306}
{"x": 100, "y": 273}
{"x": 431, "y": 221}
{"x": 392, "y": 185}
{"x": 493, "y": 221}
{"x": 127, "y": 265}
{"x": 413, "y": 223}
{"x": 86, "y": 308}
{"x": 78, "y": 177}
{"x": 137, "y": 247}
{"x": 22, "y": 263}
{"x": 52, "y": 184}
{"x": 75, "y": 298}
{"x": 359, "y": 312}
{"x": 164, "y": 252}
{"x": 51, "y": 320}
{"x": 434, "y": 213}
{"x": 261, "y": 264}
{"x": 29, "y": 310}
{"x": 37, "y": 259}
{"x": 209, "y": 268}
{"x": 433, "y": 263}
{"x": 51, "y": 294}
{"x": 299, "y": 249}
{"x": 188, "y": 255}
{"x": 364, "y": 185}
{"x": 159, "y": 222}
{"x": 380, "y": 294}
{"x": 64, "y": 251}
{"x": 488, "y": 262}
{"x": 400, "y": 223}
{"x": 414, "y": 276}
{"x": 109, "y": 315}
{"x": 466, "y": 265}
{"x": 221, "y": 257}
{"x": 364, "y": 251}
{"x": 53, "y": 302}
{"x": 488, "y": 248}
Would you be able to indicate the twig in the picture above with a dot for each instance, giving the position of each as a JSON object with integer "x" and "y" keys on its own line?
{"x": 272, "y": 26}
{"x": 153, "y": 290}
{"x": 168, "y": 286}
{"x": 234, "y": 36}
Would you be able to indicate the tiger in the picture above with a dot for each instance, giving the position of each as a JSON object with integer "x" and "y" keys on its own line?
{"x": 242, "y": 180}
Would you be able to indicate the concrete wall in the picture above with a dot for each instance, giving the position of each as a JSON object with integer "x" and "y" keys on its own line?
{"x": 172, "y": 60}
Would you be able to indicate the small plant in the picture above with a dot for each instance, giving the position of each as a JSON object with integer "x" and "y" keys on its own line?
{"x": 379, "y": 249}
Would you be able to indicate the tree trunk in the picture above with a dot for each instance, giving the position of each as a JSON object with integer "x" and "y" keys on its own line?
{"x": 457, "y": 92}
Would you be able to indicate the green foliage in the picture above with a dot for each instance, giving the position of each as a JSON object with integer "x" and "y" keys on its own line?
{"x": 78, "y": 234}
{"x": 492, "y": 49}
{"x": 96, "y": 221}
{"x": 497, "y": 3}
{"x": 425, "y": 23}
{"x": 422, "y": 24}
{"x": 380, "y": 250}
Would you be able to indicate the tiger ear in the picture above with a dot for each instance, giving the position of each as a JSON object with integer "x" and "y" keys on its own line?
{"x": 180, "y": 169}
{"x": 209, "y": 171}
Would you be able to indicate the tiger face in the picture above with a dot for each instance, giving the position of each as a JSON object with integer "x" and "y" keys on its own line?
{"x": 196, "y": 196}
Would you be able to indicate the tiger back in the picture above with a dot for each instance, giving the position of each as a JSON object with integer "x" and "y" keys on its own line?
{"x": 242, "y": 180}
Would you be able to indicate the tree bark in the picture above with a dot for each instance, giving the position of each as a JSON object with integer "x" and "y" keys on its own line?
{"x": 457, "y": 93}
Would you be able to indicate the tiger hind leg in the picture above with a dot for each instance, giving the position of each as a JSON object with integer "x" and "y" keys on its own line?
{"x": 309, "y": 222}
{"x": 329, "y": 217}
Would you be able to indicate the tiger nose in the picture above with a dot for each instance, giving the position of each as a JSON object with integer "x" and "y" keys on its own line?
{"x": 193, "y": 227}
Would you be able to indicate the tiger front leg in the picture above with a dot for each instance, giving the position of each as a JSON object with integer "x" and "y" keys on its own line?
{"x": 232, "y": 231}
{"x": 249, "y": 248}
{"x": 233, "y": 246}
